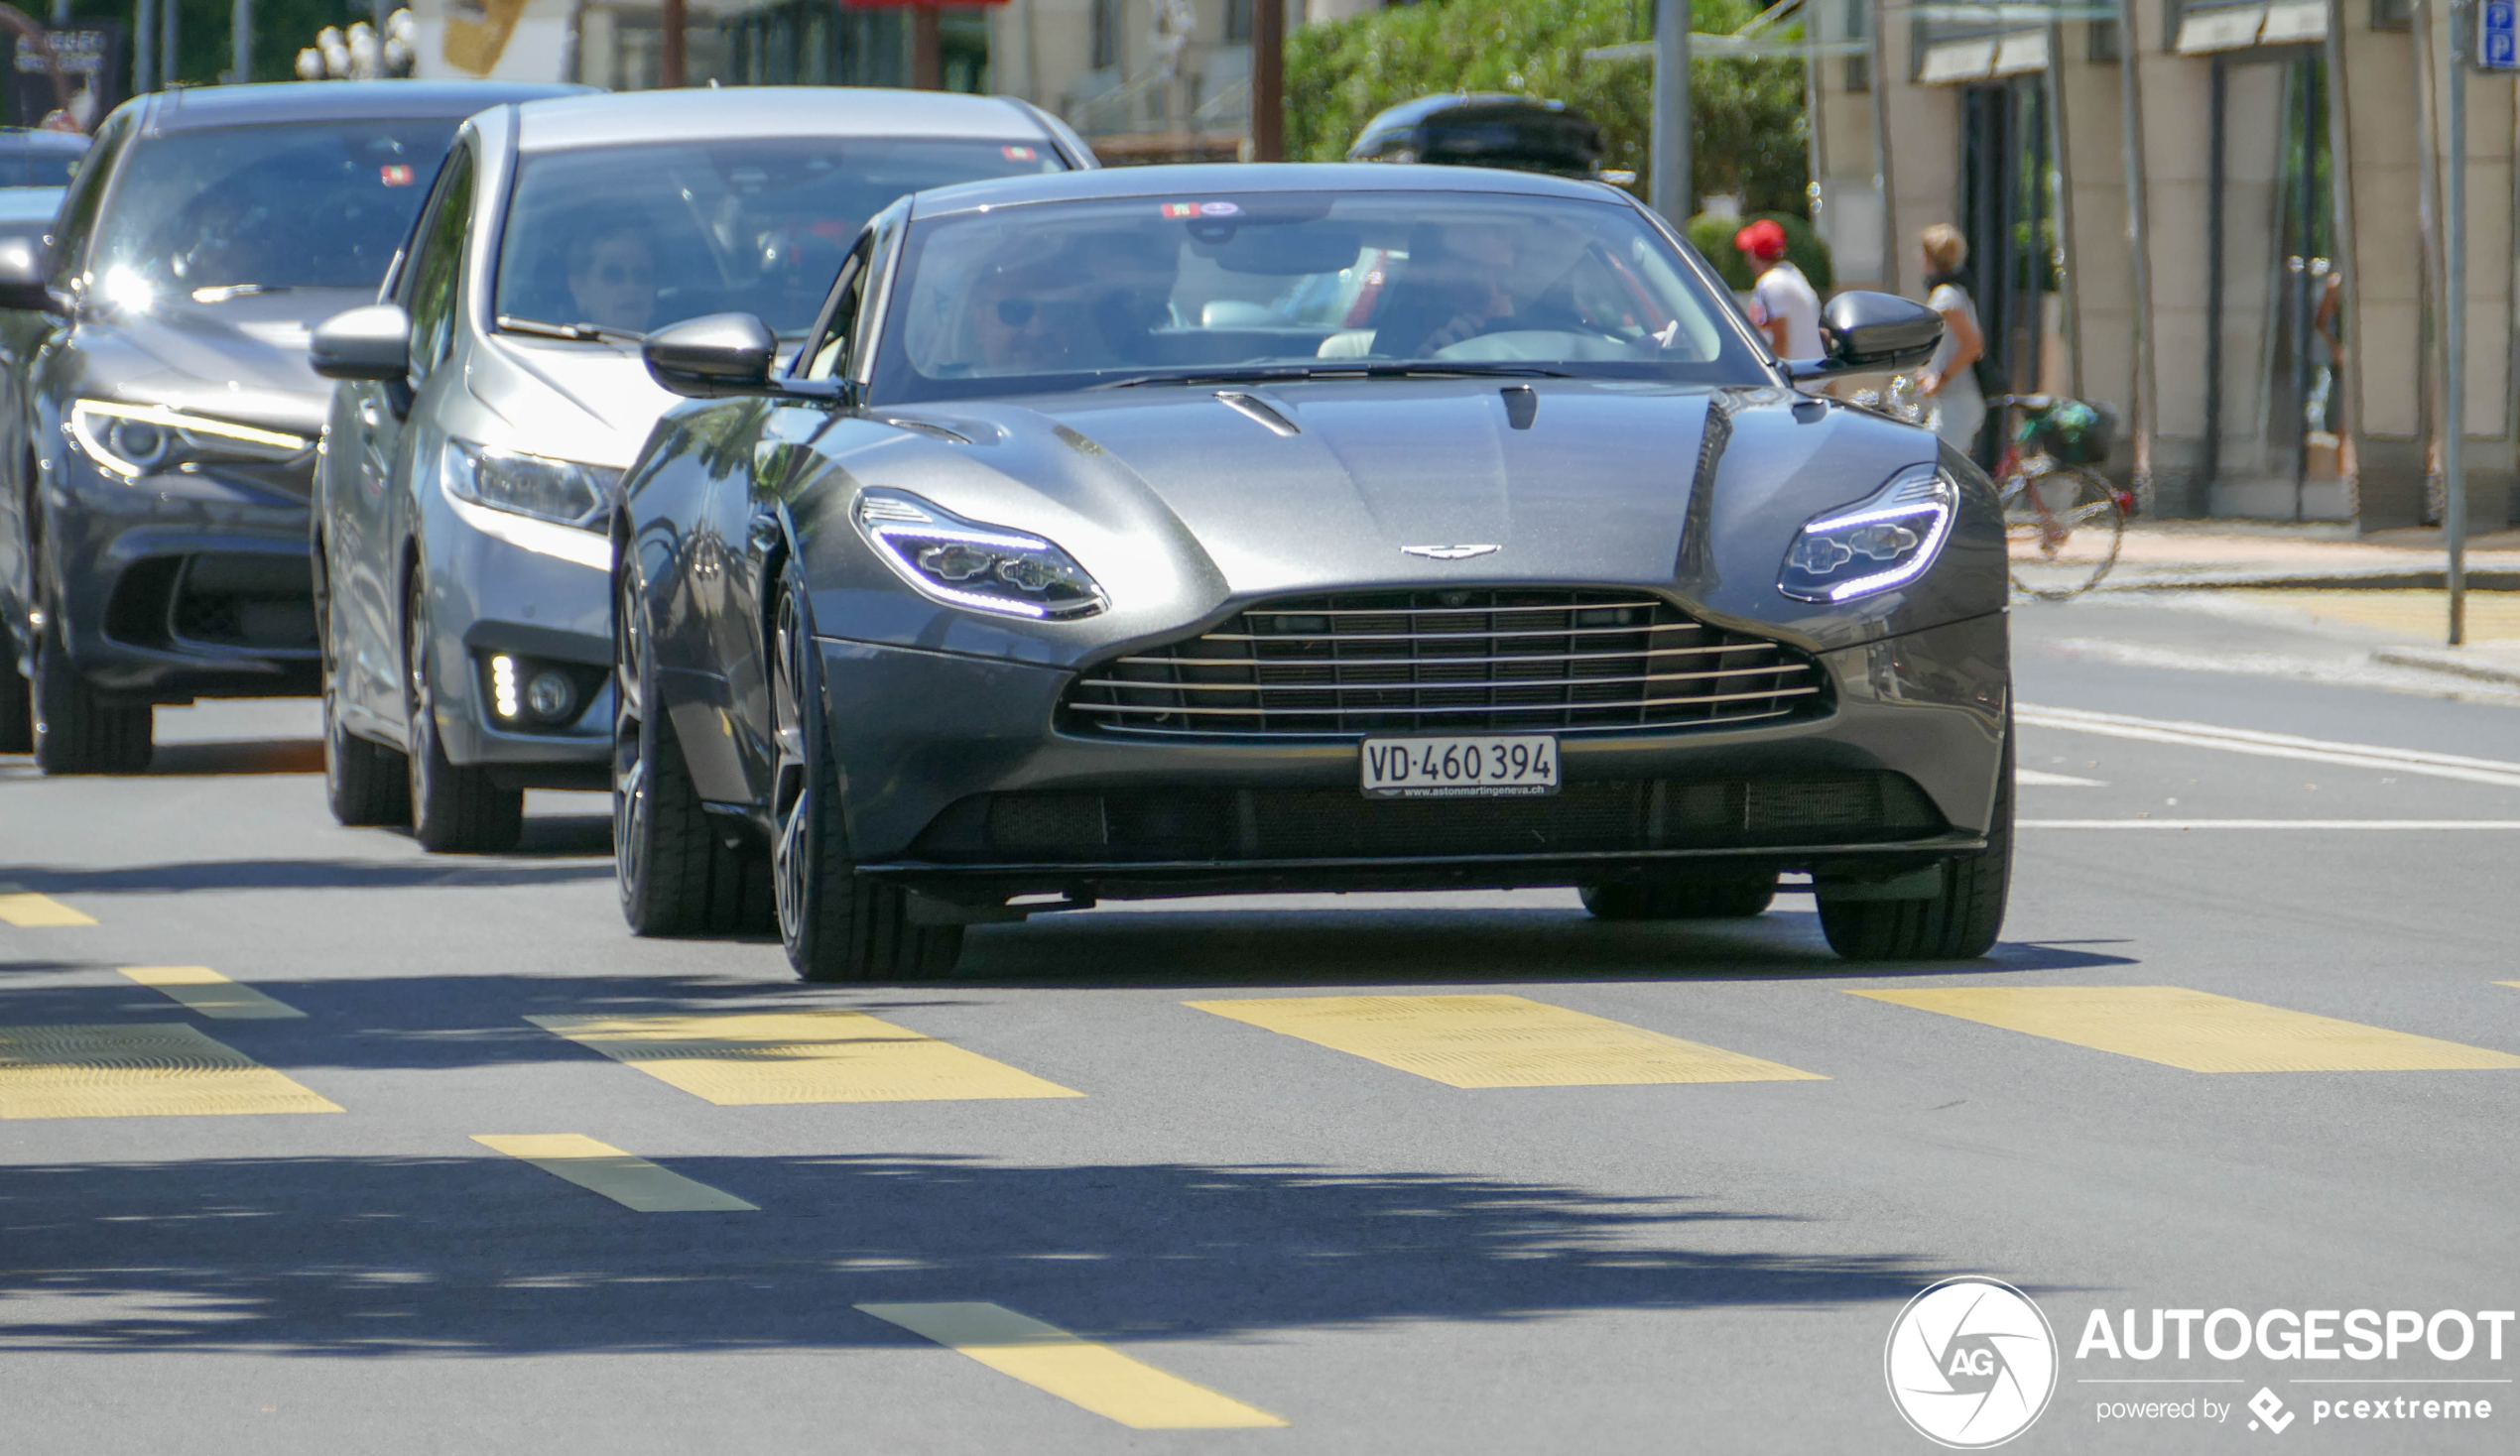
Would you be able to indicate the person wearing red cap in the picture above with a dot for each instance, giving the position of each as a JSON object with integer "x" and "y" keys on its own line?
{"x": 1784, "y": 305}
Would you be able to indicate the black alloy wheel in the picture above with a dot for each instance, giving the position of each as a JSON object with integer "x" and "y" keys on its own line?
{"x": 365, "y": 782}
{"x": 1962, "y": 921}
{"x": 1725, "y": 894}
{"x": 835, "y": 924}
{"x": 76, "y": 730}
{"x": 453, "y": 810}
{"x": 17, "y": 698}
{"x": 677, "y": 871}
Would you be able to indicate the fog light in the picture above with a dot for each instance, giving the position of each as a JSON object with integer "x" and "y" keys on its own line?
{"x": 503, "y": 684}
{"x": 551, "y": 695}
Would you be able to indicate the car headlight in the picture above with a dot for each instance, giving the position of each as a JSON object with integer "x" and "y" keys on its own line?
{"x": 132, "y": 440}
{"x": 988, "y": 568}
{"x": 1875, "y": 545}
{"x": 561, "y": 491}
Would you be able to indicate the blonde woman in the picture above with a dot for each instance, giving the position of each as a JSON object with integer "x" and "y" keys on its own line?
{"x": 1949, "y": 380}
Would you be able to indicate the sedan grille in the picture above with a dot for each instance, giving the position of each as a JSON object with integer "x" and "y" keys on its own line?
{"x": 1489, "y": 660}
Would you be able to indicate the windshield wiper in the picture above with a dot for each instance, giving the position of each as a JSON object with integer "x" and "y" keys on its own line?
{"x": 224, "y": 291}
{"x": 1264, "y": 373}
{"x": 577, "y": 333}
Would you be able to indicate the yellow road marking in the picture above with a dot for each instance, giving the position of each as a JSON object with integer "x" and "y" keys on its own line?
{"x": 625, "y": 1178}
{"x": 150, "y": 1071}
{"x": 1079, "y": 1372}
{"x": 2197, "y": 1030}
{"x": 745, "y": 1057}
{"x": 214, "y": 996}
{"x": 1498, "y": 1041}
{"x": 29, "y": 911}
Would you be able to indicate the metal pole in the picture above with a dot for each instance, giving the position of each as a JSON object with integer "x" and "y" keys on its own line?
{"x": 168, "y": 72}
{"x": 143, "y": 58}
{"x": 1268, "y": 80}
{"x": 1668, "y": 187}
{"x": 2139, "y": 243}
{"x": 2455, "y": 321}
{"x": 2217, "y": 175}
{"x": 240, "y": 43}
{"x": 2428, "y": 236}
{"x": 2068, "y": 243}
{"x": 1881, "y": 180}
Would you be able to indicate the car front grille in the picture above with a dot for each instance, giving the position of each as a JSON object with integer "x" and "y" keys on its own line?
{"x": 1451, "y": 660}
{"x": 1622, "y": 815}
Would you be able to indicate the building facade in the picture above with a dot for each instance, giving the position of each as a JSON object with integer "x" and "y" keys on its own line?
{"x": 2277, "y": 174}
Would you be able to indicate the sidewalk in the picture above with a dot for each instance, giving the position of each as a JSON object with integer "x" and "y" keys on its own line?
{"x": 2386, "y": 588}
{"x": 2207, "y": 554}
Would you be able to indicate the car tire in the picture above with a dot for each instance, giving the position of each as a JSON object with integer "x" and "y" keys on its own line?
{"x": 17, "y": 698}
{"x": 1958, "y": 923}
{"x": 76, "y": 732}
{"x": 454, "y": 810}
{"x": 835, "y": 924}
{"x": 365, "y": 782}
{"x": 676, "y": 874}
{"x": 1730, "y": 895}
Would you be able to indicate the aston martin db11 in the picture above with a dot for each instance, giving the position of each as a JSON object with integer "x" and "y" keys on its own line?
{"x": 1183, "y": 531}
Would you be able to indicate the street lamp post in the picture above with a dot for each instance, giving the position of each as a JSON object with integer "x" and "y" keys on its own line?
{"x": 1668, "y": 186}
{"x": 2455, "y": 322}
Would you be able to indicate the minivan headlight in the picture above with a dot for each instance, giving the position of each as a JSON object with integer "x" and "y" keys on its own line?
{"x": 132, "y": 440}
{"x": 1874, "y": 544}
{"x": 988, "y": 568}
{"x": 563, "y": 491}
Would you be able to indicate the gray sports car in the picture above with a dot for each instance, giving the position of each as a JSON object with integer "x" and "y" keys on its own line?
{"x": 1181, "y": 530}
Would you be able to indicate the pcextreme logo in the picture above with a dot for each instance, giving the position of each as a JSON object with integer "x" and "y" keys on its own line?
{"x": 1971, "y": 1362}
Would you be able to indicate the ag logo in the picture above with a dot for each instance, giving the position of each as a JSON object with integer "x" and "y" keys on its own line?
{"x": 1971, "y": 1363}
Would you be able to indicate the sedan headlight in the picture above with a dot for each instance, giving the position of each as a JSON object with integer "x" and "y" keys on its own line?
{"x": 132, "y": 440}
{"x": 563, "y": 491}
{"x": 1874, "y": 544}
{"x": 988, "y": 568}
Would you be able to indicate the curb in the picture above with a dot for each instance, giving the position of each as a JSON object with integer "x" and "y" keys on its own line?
{"x": 2400, "y": 580}
{"x": 2456, "y": 661}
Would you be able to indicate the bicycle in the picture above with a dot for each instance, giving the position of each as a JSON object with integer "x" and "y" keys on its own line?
{"x": 2063, "y": 522}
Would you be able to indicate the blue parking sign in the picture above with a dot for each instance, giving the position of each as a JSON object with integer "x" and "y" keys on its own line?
{"x": 2498, "y": 34}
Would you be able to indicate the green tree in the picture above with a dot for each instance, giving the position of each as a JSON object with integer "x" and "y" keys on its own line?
{"x": 1747, "y": 113}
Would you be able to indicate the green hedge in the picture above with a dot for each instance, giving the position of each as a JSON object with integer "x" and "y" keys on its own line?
{"x": 1750, "y": 126}
{"x": 1803, "y": 248}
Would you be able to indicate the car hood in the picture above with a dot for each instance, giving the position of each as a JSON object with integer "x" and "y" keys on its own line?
{"x": 241, "y": 359}
{"x": 590, "y": 402}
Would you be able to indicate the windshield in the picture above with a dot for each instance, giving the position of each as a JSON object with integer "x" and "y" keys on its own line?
{"x": 1072, "y": 294}
{"x": 630, "y": 238}
{"x": 303, "y": 205}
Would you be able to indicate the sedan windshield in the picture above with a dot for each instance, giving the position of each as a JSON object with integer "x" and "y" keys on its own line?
{"x": 628, "y": 238}
{"x": 259, "y": 208}
{"x": 1291, "y": 284}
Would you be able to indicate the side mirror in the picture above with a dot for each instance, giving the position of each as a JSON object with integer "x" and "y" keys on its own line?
{"x": 21, "y": 277}
{"x": 713, "y": 356}
{"x": 1869, "y": 332}
{"x": 370, "y": 342}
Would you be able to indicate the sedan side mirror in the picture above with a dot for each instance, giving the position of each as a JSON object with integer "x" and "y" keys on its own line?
{"x": 22, "y": 284}
{"x": 370, "y": 342}
{"x": 713, "y": 356}
{"x": 1866, "y": 333}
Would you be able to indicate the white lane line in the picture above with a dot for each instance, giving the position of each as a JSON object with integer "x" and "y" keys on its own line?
{"x": 2498, "y": 772}
{"x": 2420, "y": 824}
{"x": 2042, "y": 779}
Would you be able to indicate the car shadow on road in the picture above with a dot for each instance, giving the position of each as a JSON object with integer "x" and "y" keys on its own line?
{"x": 1379, "y": 946}
{"x": 300, "y": 874}
{"x": 209, "y": 758}
{"x": 479, "y": 1253}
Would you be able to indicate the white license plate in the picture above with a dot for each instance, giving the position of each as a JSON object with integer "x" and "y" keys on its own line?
{"x": 1502, "y": 766}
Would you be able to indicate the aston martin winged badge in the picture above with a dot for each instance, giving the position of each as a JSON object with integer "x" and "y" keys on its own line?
{"x": 1451, "y": 552}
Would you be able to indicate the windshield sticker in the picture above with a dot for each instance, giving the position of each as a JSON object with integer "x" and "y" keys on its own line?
{"x": 1201, "y": 209}
{"x": 1019, "y": 154}
{"x": 395, "y": 176}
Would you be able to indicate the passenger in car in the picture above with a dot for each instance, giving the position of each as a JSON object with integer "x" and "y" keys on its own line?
{"x": 612, "y": 279}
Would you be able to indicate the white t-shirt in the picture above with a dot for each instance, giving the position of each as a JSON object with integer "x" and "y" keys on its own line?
{"x": 1783, "y": 293}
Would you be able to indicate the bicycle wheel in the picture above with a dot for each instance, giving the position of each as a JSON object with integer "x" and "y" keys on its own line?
{"x": 2061, "y": 531}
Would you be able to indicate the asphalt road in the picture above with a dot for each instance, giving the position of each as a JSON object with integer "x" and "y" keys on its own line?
{"x": 1238, "y": 1226}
